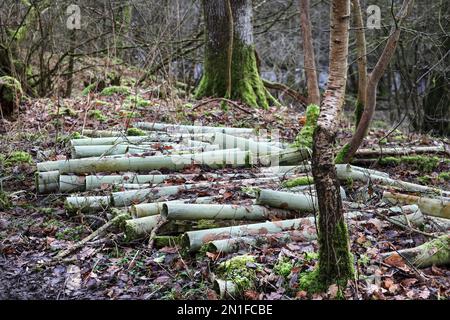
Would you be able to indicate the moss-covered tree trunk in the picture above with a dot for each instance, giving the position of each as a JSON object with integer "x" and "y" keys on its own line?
{"x": 335, "y": 259}
{"x": 230, "y": 64}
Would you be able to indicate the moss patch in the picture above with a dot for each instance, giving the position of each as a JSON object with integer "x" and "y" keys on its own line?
{"x": 445, "y": 176}
{"x": 97, "y": 115}
{"x": 88, "y": 89}
{"x": 422, "y": 163}
{"x": 18, "y": 157}
{"x": 328, "y": 272}
{"x": 283, "y": 267}
{"x": 109, "y": 91}
{"x": 305, "y": 137}
{"x": 137, "y": 100}
{"x": 135, "y": 132}
{"x": 237, "y": 271}
{"x": 359, "y": 108}
{"x": 342, "y": 154}
{"x": 300, "y": 181}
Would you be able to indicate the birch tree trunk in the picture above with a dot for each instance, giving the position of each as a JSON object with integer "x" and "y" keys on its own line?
{"x": 335, "y": 259}
{"x": 230, "y": 67}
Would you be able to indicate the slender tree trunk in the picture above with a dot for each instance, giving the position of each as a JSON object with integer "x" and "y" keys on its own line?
{"x": 335, "y": 259}
{"x": 305, "y": 136}
{"x": 230, "y": 66}
{"x": 362, "y": 60}
{"x": 308, "y": 48}
{"x": 350, "y": 149}
{"x": 70, "y": 70}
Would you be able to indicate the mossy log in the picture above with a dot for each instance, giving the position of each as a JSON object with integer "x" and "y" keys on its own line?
{"x": 374, "y": 152}
{"x": 154, "y": 208}
{"x": 433, "y": 207}
{"x": 345, "y": 172}
{"x": 102, "y": 133}
{"x": 194, "y": 240}
{"x": 213, "y": 159}
{"x": 177, "y": 128}
{"x": 226, "y": 141}
{"x": 47, "y": 182}
{"x": 435, "y": 252}
{"x": 182, "y": 211}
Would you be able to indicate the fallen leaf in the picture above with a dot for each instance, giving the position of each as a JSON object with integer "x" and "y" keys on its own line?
{"x": 395, "y": 260}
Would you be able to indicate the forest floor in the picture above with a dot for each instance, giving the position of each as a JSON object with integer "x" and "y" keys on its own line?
{"x": 33, "y": 226}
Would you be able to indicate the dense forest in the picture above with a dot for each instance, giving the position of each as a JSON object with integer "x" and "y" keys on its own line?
{"x": 224, "y": 149}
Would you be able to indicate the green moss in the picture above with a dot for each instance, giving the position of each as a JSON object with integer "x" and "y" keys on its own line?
{"x": 444, "y": 176}
{"x": 136, "y": 132}
{"x": 5, "y": 202}
{"x": 424, "y": 179}
{"x": 283, "y": 267}
{"x": 88, "y": 89}
{"x": 64, "y": 111}
{"x": 359, "y": 108}
{"x": 206, "y": 224}
{"x": 438, "y": 249}
{"x": 167, "y": 241}
{"x": 236, "y": 270}
{"x": 73, "y": 234}
{"x": 128, "y": 82}
{"x": 422, "y": 163}
{"x": 342, "y": 154}
{"x": 109, "y": 91}
{"x": 305, "y": 136}
{"x": 300, "y": 181}
{"x": 101, "y": 103}
{"x": 364, "y": 260}
{"x": 10, "y": 95}
{"x": 137, "y": 100}
{"x": 247, "y": 85}
{"x": 97, "y": 115}
{"x": 310, "y": 282}
{"x": 310, "y": 256}
{"x": 18, "y": 157}
{"x": 327, "y": 272}
{"x": 76, "y": 135}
